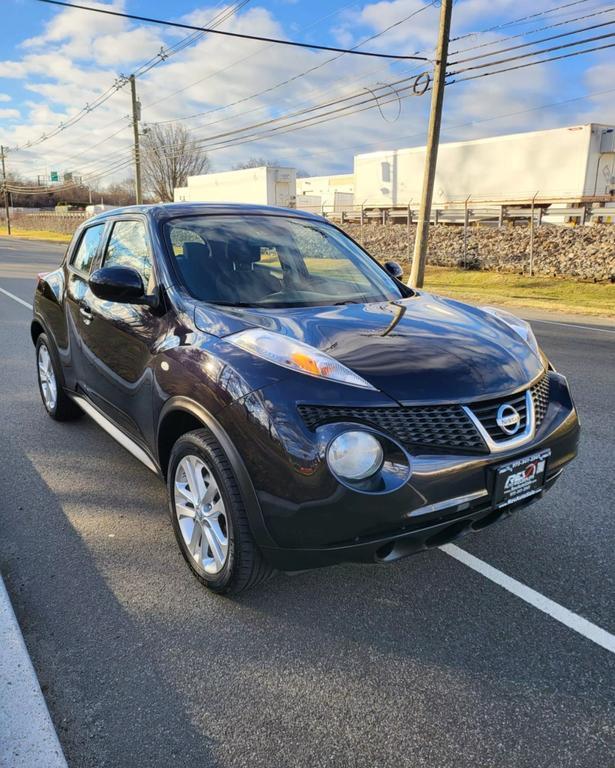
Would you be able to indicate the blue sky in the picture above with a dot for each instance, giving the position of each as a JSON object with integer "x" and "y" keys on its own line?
{"x": 53, "y": 61}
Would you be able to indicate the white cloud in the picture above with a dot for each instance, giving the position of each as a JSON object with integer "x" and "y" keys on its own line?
{"x": 78, "y": 26}
{"x": 4, "y": 97}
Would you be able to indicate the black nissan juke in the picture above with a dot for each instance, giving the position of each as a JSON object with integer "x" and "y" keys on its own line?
{"x": 305, "y": 407}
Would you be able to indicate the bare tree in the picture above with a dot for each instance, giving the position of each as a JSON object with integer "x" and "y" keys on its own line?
{"x": 256, "y": 162}
{"x": 168, "y": 157}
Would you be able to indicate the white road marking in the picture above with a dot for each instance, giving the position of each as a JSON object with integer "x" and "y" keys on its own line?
{"x": 16, "y": 298}
{"x": 573, "y": 325}
{"x": 572, "y": 620}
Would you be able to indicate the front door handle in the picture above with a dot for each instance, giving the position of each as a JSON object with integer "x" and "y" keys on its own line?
{"x": 86, "y": 314}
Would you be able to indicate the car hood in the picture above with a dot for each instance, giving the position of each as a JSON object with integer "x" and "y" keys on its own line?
{"x": 423, "y": 348}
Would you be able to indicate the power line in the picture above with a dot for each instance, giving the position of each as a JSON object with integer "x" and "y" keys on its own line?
{"x": 518, "y": 21}
{"x": 486, "y": 65}
{"x": 292, "y": 79}
{"x": 535, "y": 30}
{"x": 542, "y": 40}
{"x": 237, "y": 35}
{"x": 120, "y": 82}
{"x": 463, "y": 125}
{"x": 357, "y": 99}
{"x": 259, "y": 51}
{"x": 334, "y": 114}
{"x": 529, "y": 54}
{"x": 529, "y": 64}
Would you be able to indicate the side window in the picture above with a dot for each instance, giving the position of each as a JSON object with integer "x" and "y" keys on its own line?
{"x": 127, "y": 247}
{"x": 84, "y": 256}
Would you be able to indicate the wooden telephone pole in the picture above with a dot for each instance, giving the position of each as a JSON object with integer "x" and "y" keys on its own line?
{"x": 6, "y": 194}
{"x": 417, "y": 273}
{"x": 136, "y": 117}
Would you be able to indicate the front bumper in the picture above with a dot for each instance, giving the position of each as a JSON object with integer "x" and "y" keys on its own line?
{"x": 312, "y": 519}
{"x": 449, "y": 526}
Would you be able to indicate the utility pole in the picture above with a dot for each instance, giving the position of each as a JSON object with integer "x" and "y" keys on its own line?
{"x": 417, "y": 273}
{"x": 6, "y": 194}
{"x": 136, "y": 117}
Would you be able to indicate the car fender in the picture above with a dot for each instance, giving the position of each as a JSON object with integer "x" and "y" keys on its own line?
{"x": 248, "y": 494}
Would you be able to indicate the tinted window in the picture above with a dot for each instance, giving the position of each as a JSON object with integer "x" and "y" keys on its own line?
{"x": 128, "y": 247}
{"x": 88, "y": 246}
{"x": 273, "y": 261}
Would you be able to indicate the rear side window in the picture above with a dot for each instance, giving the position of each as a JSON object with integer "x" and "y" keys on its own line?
{"x": 128, "y": 247}
{"x": 83, "y": 258}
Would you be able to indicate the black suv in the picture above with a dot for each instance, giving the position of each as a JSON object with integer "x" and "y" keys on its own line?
{"x": 304, "y": 406}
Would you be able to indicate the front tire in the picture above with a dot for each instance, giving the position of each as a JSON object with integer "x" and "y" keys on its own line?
{"x": 57, "y": 403}
{"x": 209, "y": 517}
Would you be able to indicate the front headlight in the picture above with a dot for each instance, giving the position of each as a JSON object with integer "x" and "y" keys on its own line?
{"x": 295, "y": 355}
{"x": 355, "y": 455}
{"x": 519, "y": 326}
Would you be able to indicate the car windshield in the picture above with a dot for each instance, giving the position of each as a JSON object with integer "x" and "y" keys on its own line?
{"x": 273, "y": 261}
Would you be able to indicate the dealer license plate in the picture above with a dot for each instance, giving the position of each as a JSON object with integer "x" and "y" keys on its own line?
{"x": 520, "y": 479}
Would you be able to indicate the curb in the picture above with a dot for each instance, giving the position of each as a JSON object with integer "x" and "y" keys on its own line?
{"x": 27, "y": 736}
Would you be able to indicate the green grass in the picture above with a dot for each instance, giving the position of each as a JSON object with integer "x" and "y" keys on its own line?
{"x": 547, "y": 293}
{"x": 35, "y": 234}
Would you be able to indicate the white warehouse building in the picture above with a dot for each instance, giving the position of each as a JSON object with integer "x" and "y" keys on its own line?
{"x": 262, "y": 186}
{"x": 570, "y": 163}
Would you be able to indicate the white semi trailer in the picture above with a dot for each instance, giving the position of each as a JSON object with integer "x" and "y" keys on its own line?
{"x": 570, "y": 164}
{"x": 262, "y": 186}
{"x": 326, "y": 193}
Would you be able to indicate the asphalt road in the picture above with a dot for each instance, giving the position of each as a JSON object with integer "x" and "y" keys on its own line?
{"x": 421, "y": 663}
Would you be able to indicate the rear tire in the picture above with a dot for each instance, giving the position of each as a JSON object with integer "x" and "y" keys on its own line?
{"x": 209, "y": 517}
{"x": 49, "y": 375}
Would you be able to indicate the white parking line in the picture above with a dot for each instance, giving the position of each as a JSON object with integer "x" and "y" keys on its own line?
{"x": 15, "y": 298}
{"x": 572, "y": 620}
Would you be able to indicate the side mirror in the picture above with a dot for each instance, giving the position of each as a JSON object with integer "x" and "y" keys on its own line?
{"x": 394, "y": 269}
{"x": 120, "y": 284}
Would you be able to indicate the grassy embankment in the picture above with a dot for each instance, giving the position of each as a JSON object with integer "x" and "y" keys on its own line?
{"x": 504, "y": 288}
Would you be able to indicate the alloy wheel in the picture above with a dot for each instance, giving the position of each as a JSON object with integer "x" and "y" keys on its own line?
{"x": 201, "y": 514}
{"x": 47, "y": 378}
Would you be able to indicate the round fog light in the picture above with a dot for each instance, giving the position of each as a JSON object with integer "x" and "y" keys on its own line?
{"x": 355, "y": 455}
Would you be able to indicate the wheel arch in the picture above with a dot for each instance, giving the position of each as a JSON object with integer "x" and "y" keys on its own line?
{"x": 180, "y": 415}
{"x": 36, "y": 328}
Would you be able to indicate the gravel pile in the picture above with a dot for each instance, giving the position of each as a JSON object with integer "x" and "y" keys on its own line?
{"x": 582, "y": 252}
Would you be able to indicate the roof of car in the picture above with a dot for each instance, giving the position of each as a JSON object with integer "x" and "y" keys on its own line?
{"x": 162, "y": 211}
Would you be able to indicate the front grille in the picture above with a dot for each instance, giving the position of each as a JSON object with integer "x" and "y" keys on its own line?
{"x": 486, "y": 412}
{"x": 441, "y": 426}
{"x": 540, "y": 395}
